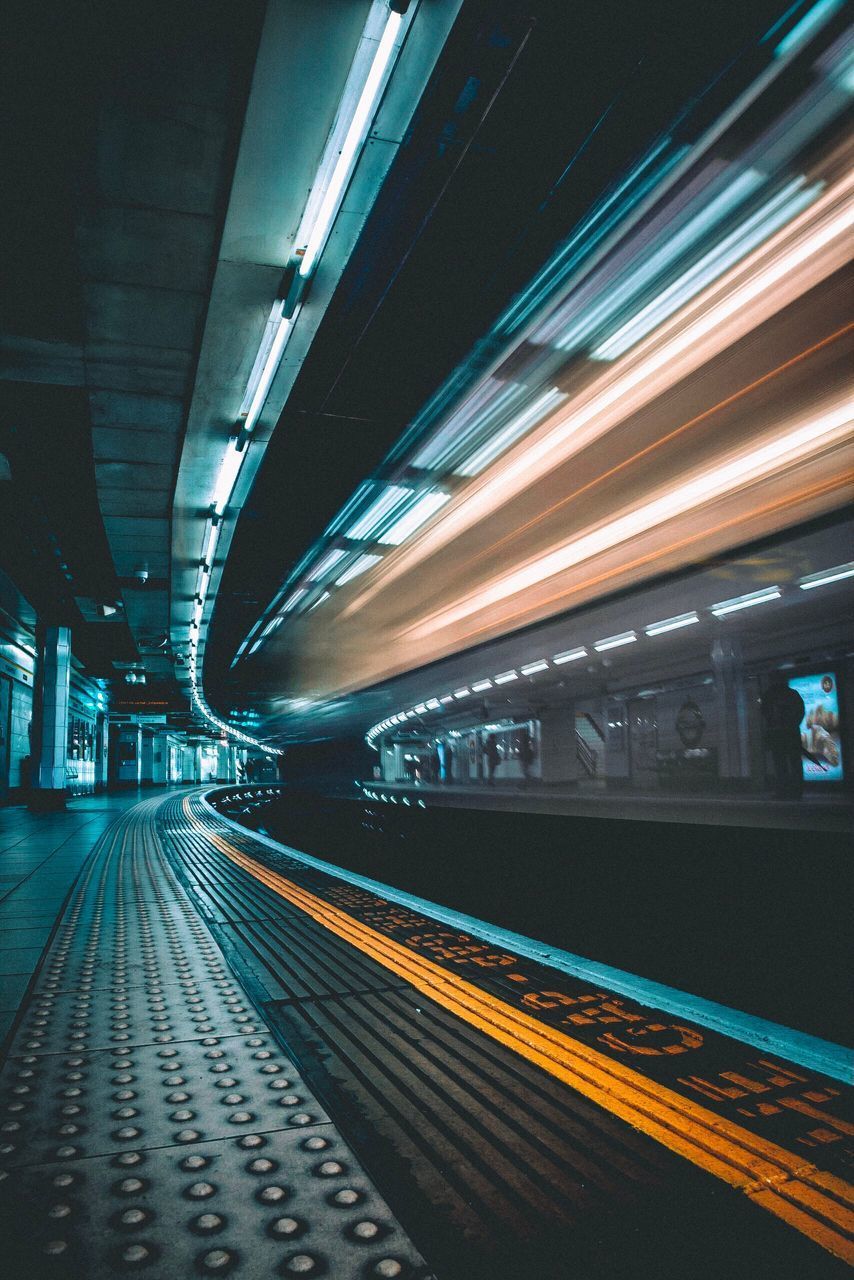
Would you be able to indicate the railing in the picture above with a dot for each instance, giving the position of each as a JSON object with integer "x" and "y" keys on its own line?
{"x": 588, "y": 758}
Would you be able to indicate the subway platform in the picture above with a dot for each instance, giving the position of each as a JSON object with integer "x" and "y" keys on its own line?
{"x": 226, "y": 1058}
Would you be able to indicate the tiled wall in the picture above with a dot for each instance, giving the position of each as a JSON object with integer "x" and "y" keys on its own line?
{"x": 19, "y": 738}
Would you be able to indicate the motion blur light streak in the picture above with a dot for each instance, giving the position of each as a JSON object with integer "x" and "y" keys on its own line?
{"x": 395, "y": 496}
{"x": 756, "y": 229}
{"x": 358, "y": 566}
{"x": 323, "y": 566}
{"x": 418, "y": 514}
{"x": 509, "y": 434}
{"x": 610, "y": 472}
{"x": 748, "y": 295}
{"x": 786, "y": 449}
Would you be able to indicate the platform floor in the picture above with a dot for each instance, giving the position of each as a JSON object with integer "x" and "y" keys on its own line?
{"x": 230, "y": 1062}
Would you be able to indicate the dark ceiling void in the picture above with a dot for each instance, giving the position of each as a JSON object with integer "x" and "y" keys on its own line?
{"x": 53, "y": 541}
{"x": 531, "y": 113}
{"x": 121, "y": 129}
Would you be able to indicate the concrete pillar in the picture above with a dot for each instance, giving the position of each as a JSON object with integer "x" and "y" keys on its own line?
{"x": 732, "y": 709}
{"x": 101, "y": 751}
{"x": 160, "y": 763}
{"x": 223, "y": 763}
{"x": 50, "y": 718}
{"x": 146, "y": 771}
{"x": 558, "y": 756}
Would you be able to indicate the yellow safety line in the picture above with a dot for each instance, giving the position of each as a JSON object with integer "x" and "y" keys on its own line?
{"x": 775, "y": 1179}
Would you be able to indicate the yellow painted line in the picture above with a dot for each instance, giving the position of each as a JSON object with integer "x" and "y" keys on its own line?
{"x": 814, "y": 1202}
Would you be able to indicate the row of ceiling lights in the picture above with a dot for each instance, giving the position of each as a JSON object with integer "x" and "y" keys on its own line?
{"x": 370, "y": 70}
{"x": 720, "y": 610}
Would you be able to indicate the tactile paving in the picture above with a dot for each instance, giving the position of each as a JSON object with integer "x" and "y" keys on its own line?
{"x": 151, "y": 1122}
{"x": 261, "y": 1205}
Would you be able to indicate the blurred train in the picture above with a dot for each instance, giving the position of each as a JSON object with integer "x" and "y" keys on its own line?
{"x": 661, "y": 444}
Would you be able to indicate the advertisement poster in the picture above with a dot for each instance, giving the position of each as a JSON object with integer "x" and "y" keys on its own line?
{"x": 820, "y": 726}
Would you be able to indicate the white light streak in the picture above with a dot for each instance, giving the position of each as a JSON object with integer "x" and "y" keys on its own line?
{"x": 531, "y": 668}
{"x": 326, "y": 563}
{"x": 358, "y": 566}
{"x": 419, "y": 513}
{"x": 502, "y": 440}
{"x": 372, "y": 519}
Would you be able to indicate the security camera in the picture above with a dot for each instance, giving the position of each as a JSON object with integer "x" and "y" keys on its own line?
{"x": 141, "y": 576}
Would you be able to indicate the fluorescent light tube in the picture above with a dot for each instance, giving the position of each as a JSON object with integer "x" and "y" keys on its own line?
{"x": 276, "y": 333}
{"x": 745, "y": 602}
{"x": 531, "y": 668}
{"x": 827, "y": 575}
{"x": 210, "y": 543}
{"x": 419, "y": 513}
{"x": 358, "y": 566}
{"x": 462, "y": 693}
{"x": 319, "y": 600}
{"x": 506, "y": 677}
{"x": 231, "y": 464}
{"x": 433, "y": 704}
{"x": 420, "y": 709}
{"x": 356, "y": 133}
{"x": 614, "y": 642}
{"x": 671, "y": 624}
{"x": 481, "y": 685}
{"x": 569, "y": 655}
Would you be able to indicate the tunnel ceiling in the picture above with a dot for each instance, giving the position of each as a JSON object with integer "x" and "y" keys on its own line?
{"x": 531, "y": 112}
{"x": 122, "y": 129}
{"x": 120, "y": 139}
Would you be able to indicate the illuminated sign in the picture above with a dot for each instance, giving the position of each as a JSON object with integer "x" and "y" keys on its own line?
{"x": 820, "y": 727}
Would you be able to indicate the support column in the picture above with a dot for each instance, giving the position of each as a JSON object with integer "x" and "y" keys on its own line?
{"x": 146, "y": 771}
{"x": 558, "y": 753}
{"x": 731, "y": 702}
{"x": 50, "y": 719}
{"x": 100, "y": 750}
